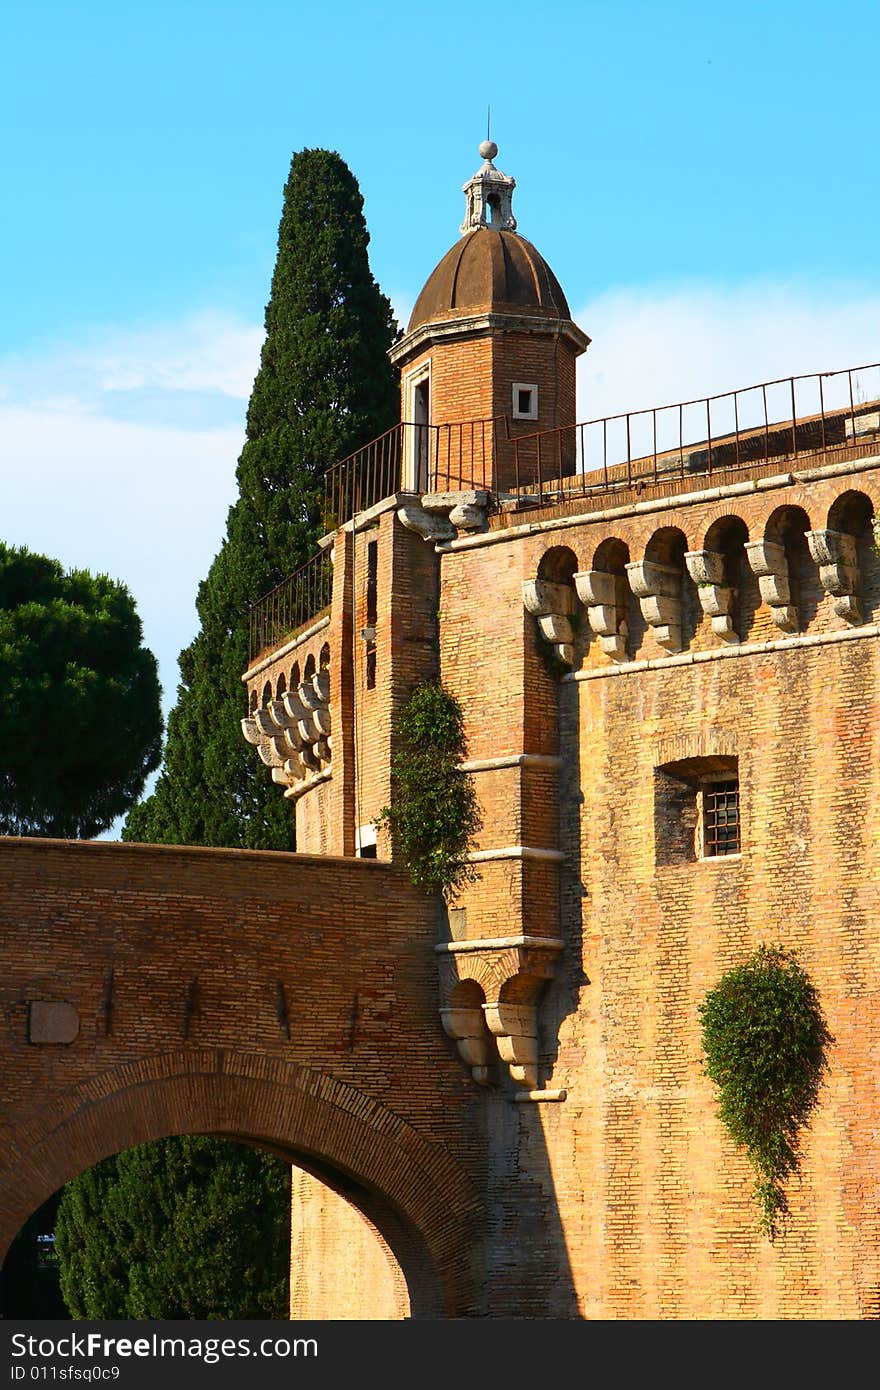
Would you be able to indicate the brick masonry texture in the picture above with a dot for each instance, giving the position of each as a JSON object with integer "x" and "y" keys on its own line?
{"x": 654, "y": 1201}
{"x": 177, "y": 962}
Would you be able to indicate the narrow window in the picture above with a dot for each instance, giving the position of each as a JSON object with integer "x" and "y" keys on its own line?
{"x": 366, "y": 842}
{"x": 372, "y": 610}
{"x": 421, "y": 418}
{"x": 525, "y": 401}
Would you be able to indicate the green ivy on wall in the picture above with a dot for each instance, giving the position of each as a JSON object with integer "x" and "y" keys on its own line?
{"x": 766, "y": 1042}
{"x": 433, "y": 813}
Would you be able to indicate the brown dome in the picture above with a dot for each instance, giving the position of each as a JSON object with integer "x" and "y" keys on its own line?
{"x": 490, "y": 271}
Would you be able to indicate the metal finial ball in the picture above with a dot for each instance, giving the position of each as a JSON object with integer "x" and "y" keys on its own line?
{"x": 488, "y": 149}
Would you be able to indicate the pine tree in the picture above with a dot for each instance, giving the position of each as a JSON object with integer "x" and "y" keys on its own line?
{"x": 80, "y": 720}
{"x": 324, "y": 387}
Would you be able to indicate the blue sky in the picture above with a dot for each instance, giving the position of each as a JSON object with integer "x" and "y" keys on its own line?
{"x": 702, "y": 178}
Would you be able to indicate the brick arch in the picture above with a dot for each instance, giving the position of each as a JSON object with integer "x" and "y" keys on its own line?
{"x": 412, "y": 1192}
{"x": 558, "y": 564}
{"x": 787, "y": 525}
{"x": 852, "y": 511}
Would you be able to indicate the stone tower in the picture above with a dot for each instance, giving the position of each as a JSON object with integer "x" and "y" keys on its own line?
{"x": 490, "y": 342}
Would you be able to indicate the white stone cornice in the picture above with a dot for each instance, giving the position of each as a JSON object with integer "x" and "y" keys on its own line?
{"x": 475, "y": 325}
{"x": 500, "y": 943}
{"x": 485, "y": 856}
{"x": 652, "y": 505}
{"x": 548, "y": 760}
{"x": 782, "y": 644}
{"x": 280, "y": 652}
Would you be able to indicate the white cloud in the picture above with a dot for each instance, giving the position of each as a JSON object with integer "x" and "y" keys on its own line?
{"x": 143, "y": 373}
{"x": 118, "y": 454}
{"x": 147, "y": 506}
{"x": 659, "y": 346}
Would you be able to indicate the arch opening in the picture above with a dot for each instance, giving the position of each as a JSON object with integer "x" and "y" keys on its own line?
{"x": 418, "y": 1202}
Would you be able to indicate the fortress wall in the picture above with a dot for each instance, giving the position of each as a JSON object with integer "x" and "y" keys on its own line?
{"x": 632, "y": 1179}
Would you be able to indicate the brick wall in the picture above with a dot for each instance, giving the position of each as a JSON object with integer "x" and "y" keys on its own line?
{"x": 289, "y": 1000}
{"x": 654, "y": 1203}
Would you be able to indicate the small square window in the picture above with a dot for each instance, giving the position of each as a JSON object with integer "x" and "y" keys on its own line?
{"x": 525, "y": 401}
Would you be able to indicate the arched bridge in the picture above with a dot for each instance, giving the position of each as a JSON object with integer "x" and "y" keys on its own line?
{"x": 284, "y": 999}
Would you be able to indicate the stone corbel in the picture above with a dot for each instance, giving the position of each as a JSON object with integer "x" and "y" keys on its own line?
{"x": 553, "y": 605}
{"x": 467, "y": 1029}
{"x": 836, "y": 554}
{"x": 442, "y": 515}
{"x": 515, "y": 1030}
{"x": 429, "y": 527}
{"x": 658, "y": 590}
{"x": 768, "y": 561}
{"x": 292, "y": 734}
{"x": 706, "y": 569}
{"x": 512, "y": 973}
{"x": 604, "y": 595}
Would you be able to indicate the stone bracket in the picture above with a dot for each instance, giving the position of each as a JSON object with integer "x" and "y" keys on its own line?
{"x": 706, "y": 569}
{"x": 511, "y": 973}
{"x": 554, "y": 606}
{"x": 292, "y": 734}
{"x": 429, "y": 527}
{"x": 658, "y": 590}
{"x": 769, "y": 563}
{"x": 836, "y": 554}
{"x": 444, "y": 515}
{"x": 604, "y": 596}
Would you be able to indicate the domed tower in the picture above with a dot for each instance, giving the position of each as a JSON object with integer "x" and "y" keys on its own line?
{"x": 489, "y": 354}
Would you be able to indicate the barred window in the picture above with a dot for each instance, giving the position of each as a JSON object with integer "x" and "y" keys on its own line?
{"x": 697, "y": 809}
{"x": 720, "y": 818}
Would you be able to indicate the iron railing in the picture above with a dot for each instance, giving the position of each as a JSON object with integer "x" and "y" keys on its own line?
{"x": 776, "y": 420}
{"x": 291, "y": 604}
{"x": 412, "y": 457}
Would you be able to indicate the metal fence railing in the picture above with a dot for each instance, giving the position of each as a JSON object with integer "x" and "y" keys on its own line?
{"x": 414, "y": 458}
{"x": 742, "y": 429}
{"x": 291, "y": 604}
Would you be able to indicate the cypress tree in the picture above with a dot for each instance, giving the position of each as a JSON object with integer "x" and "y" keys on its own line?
{"x": 324, "y": 387}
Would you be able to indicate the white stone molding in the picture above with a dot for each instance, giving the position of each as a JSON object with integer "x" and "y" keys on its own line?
{"x": 836, "y": 554}
{"x": 604, "y": 596}
{"x": 553, "y": 605}
{"x": 463, "y": 510}
{"x": 769, "y": 562}
{"x": 706, "y": 569}
{"x": 658, "y": 590}
{"x": 441, "y": 516}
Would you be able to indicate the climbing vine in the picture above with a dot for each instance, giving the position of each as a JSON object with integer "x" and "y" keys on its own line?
{"x": 766, "y": 1042}
{"x": 433, "y": 813}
